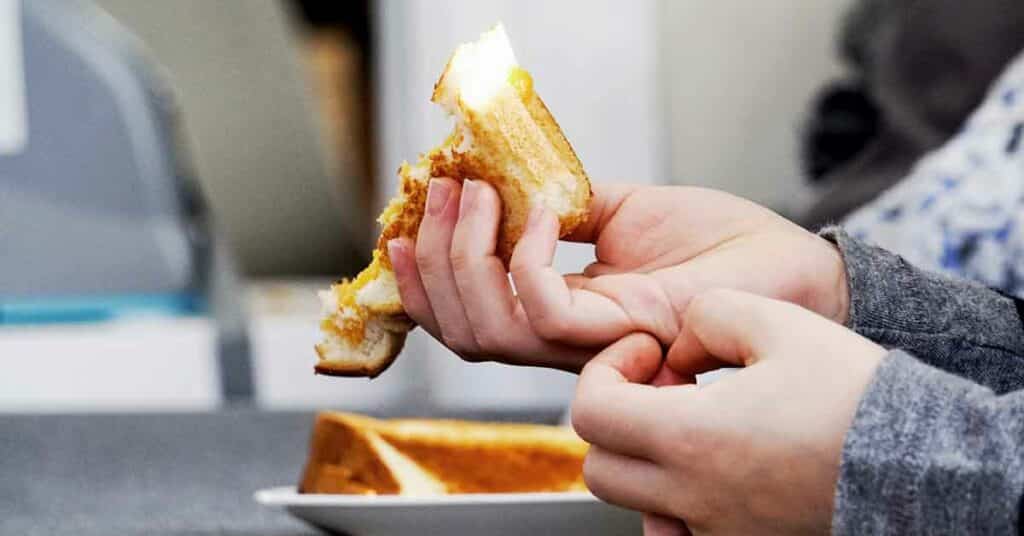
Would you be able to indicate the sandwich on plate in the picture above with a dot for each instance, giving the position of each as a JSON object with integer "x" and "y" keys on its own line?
{"x": 353, "y": 454}
{"x": 503, "y": 135}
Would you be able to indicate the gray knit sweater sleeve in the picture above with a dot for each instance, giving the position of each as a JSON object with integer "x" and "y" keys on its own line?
{"x": 930, "y": 452}
{"x": 958, "y": 326}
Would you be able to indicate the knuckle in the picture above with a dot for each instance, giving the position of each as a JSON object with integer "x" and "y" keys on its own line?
{"x": 454, "y": 344}
{"x": 686, "y": 443}
{"x": 592, "y": 470}
{"x": 551, "y": 326}
{"x": 489, "y": 339}
{"x": 583, "y": 417}
{"x": 702, "y": 300}
{"x": 702, "y": 304}
{"x": 459, "y": 260}
{"x": 468, "y": 351}
{"x": 426, "y": 260}
{"x": 593, "y": 474}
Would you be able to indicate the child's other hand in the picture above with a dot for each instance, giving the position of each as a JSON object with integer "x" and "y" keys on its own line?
{"x": 756, "y": 452}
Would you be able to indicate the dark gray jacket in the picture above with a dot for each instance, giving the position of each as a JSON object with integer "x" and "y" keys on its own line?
{"x": 937, "y": 444}
{"x": 924, "y": 65}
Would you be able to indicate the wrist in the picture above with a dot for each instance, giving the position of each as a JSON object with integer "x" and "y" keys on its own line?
{"x": 832, "y": 287}
{"x": 840, "y": 287}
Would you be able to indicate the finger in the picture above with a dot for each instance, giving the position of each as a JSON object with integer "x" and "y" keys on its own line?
{"x": 735, "y": 327}
{"x": 632, "y": 360}
{"x": 499, "y": 326}
{"x": 555, "y": 311}
{"x": 667, "y": 377}
{"x": 522, "y": 348}
{"x": 659, "y": 525}
{"x": 525, "y": 347}
{"x": 410, "y": 286}
{"x": 687, "y": 357}
{"x": 597, "y": 269}
{"x": 615, "y": 414}
{"x": 685, "y": 354}
{"x": 606, "y": 201}
{"x": 433, "y": 247}
{"x": 642, "y": 300}
{"x": 480, "y": 276}
{"x": 575, "y": 281}
{"x": 629, "y": 482}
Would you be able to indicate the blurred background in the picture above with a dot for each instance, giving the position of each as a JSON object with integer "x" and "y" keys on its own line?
{"x": 178, "y": 178}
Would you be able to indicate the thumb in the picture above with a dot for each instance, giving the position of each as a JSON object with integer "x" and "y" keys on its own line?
{"x": 605, "y": 202}
{"x": 733, "y": 328}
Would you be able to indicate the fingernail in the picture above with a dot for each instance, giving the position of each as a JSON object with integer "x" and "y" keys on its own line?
{"x": 437, "y": 196}
{"x": 469, "y": 194}
{"x": 394, "y": 250}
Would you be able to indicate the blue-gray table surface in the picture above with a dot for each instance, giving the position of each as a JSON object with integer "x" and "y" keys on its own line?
{"x": 175, "y": 474}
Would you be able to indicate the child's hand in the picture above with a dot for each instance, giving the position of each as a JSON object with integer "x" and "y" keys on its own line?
{"x": 756, "y": 452}
{"x": 656, "y": 248}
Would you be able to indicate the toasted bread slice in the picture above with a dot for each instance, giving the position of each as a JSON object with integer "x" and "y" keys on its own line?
{"x": 503, "y": 135}
{"x": 355, "y": 454}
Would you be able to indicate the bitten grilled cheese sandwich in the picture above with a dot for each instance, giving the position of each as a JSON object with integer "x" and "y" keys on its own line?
{"x": 503, "y": 135}
{"x": 353, "y": 454}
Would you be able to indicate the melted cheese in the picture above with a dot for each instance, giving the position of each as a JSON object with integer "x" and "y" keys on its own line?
{"x": 349, "y": 320}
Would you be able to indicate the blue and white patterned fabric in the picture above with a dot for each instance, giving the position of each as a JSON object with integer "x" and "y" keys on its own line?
{"x": 961, "y": 209}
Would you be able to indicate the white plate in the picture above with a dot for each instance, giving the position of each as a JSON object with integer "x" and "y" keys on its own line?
{"x": 496, "y": 514}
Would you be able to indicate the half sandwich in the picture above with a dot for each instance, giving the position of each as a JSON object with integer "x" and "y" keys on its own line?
{"x": 503, "y": 135}
{"x": 353, "y": 454}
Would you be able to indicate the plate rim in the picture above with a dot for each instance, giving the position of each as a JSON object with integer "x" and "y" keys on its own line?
{"x": 288, "y": 496}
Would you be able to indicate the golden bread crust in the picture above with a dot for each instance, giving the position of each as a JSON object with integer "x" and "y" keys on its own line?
{"x": 341, "y": 369}
{"x": 389, "y": 348}
{"x": 406, "y": 223}
{"x": 517, "y": 147}
{"x": 511, "y": 142}
{"x": 463, "y": 456}
{"x": 343, "y": 460}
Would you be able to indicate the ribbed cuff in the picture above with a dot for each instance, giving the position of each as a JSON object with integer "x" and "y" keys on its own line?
{"x": 892, "y": 301}
{"x": 929, "y": 452}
